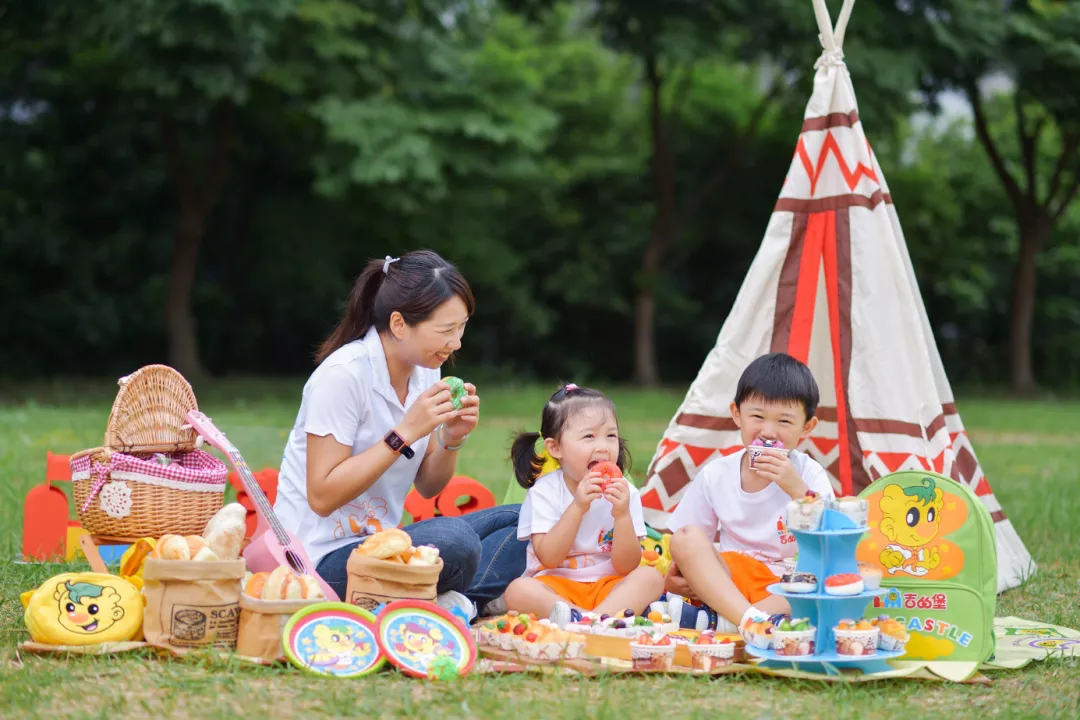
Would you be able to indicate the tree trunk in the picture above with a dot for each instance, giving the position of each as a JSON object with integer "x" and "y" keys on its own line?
{"x": 179, "y": 317}
{"x": 663, "y": 228}
{"x": 1033, "y": 234}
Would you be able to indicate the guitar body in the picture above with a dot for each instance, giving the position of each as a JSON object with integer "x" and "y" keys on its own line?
{"x": 271, "y": 545}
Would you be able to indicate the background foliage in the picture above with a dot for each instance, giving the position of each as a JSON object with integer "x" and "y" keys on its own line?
{"x": 275, "y": 145}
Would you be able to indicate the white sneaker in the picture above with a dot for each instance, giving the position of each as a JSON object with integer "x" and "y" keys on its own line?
{"x": 452, "y": 599}
{"x": 560, "y": 614}
{"x": 496, "y": 607}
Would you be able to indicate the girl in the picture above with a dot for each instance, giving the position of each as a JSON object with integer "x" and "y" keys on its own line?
{"x": 375, "y": 420}
{"x": 584, "y": 540}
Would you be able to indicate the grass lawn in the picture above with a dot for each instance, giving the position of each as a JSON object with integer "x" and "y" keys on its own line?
{"x": 1029, "y": 451}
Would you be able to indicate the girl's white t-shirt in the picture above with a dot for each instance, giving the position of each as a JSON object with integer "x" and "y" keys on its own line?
{"x": 750, "y": 523}
{"x": 589, "y": 558}
{"x": 350, "y": 397}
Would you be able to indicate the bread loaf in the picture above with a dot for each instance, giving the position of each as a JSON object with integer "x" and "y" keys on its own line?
{"x": 172, "y": 547}
{"x": 385, "y": 544}
{"x": 225, "y": 531}
{"x": 283, "y": 584}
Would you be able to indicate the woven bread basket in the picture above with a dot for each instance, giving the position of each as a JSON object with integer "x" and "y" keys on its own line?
{"x": 147, "y": 417}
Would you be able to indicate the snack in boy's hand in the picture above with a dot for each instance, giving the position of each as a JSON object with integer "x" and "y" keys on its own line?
{"x": 224, "y": 534}
{"x": 856, "y": 637}
{"x": 758, "y": 446}
{"x": 457, "y": 391}
{"x": 794, "y": 637}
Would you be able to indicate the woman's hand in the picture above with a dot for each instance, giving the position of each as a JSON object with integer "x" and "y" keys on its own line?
{"x": 431, "y": 408}
{"x": 455, "y": 430}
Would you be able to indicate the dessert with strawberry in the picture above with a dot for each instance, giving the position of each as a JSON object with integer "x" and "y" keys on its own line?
{"x": 543, "y": 640}
{"x": 805, "y": 513}
{"x": 708, "y": 652}
{"x": 844, "y": 584}
{"x": 649, "y": 653}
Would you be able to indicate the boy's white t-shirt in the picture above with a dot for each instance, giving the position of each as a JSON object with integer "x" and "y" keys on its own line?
{"x": 350, "y": 397}
{"x": 589, "y": 558}
{"x": 750, "y": 523}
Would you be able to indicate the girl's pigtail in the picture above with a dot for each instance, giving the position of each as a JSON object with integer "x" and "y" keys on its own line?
{"x": 527, "y": 464}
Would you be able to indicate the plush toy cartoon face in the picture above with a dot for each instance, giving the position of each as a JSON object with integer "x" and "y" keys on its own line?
{"x": 911, "y": 516}
{"x": 87, "y": 608}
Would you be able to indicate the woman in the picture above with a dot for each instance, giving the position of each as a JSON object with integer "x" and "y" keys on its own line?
{"x": 375, "y": 420}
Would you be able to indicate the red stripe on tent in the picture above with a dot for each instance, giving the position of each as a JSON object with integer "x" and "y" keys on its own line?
{"x": 939, "y": 463}
{"x": 699, "y": 454}
{"x": 832, "y": 291}
{"x": 802, "y": 321}
{"x": 851, "y": 177}
{"x": 651, "y": 500}
{"x": 893, "y": 460}
{"x": 730, "y": 450}
{"x": 983, "y": 488}
{"x": 788, "y": 286}
{"x": 825, "y": 445}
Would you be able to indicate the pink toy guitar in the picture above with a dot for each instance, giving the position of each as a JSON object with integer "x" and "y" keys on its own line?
{"x": 271, "y": 545}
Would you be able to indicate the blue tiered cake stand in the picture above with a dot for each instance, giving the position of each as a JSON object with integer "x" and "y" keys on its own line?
{"x": 827, "y": 551}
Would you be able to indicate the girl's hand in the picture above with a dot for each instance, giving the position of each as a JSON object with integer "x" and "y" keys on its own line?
{"x": 618, "y": 494}
{"x": 431, "y": 408}
{"x": 588, "y": 490}
{"x": 454, "y": 431}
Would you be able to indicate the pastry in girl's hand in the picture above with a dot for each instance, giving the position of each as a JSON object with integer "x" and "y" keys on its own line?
{"x": 225, "y": 531}
{"x": 608, "y": 470}
{"x": 385, "y": 544}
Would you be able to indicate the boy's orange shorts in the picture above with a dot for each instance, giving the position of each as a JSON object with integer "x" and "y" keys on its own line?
{"x": 751, "y": 576}
{"x": 585, "y": 595}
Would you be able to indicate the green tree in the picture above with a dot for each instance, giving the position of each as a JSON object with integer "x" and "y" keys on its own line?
{"x": 1034, "y": 47}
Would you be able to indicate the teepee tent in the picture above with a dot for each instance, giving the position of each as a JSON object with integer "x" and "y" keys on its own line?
{"x": 833, "y": 285}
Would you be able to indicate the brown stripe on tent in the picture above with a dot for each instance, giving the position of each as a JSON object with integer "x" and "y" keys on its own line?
{"x": 966, "y": 464}
{"x": 835, "y": 202}
{"x": 826, "y": 414}
{"x": 889, "y": 427}
{"x": 935, "y": 425}
{"x": 674, "y": 477}
{"x": 824, "y": 122}
{"x": 859, "y": 478}
{"x": 997, "y": 516}
{"x": 706, "y": 422}
{"x": 949, "y": 408}
{"x": 788, "y": 286}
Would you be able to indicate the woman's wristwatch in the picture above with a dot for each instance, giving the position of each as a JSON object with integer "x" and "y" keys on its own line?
{"x": 451, "y": 448}
{"x": 398, "y": 444}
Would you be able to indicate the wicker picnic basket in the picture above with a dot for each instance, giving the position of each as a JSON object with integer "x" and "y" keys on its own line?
{"x": 122, "y": 490}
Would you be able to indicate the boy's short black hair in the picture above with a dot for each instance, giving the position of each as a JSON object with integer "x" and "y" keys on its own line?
{"x": 779, "y": 377}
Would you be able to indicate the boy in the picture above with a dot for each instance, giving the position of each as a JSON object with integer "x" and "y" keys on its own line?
{"x": 776, "y": 399}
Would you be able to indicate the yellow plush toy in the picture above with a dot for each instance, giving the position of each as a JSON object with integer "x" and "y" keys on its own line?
{"x": 83, "y": 609}
{"x": 656, "y": 551}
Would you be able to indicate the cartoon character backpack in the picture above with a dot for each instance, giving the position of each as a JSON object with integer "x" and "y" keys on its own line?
{"x": 83, "y": 609}
{"x": 933, "y": 541}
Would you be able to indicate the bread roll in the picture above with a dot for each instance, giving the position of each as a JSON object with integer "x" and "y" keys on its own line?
{"x": 312, "y": 589}
{"x": 425, "y": 555}
{"x": 195, "y": 544}
{"x": 206, "y": 555}
{"x": 225, "y": 531}
{"x": 172, "y": 547}
{"x": 283, "y": 584}
{"x": 254, "y": 585}
{"x": 385, "y": 544}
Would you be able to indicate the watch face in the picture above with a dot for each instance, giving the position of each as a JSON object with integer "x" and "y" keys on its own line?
{"x": 394, "y": 441}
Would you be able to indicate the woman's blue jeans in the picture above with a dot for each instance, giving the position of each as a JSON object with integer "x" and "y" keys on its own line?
{"x": 480, "y": 552}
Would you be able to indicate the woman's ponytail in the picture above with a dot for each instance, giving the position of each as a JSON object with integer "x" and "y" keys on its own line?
{"x": 359, "y": 311}
{"x": 527, "y": 464}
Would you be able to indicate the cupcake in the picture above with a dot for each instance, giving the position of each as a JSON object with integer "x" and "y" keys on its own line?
{"x": 794, "y": 638}
{"x": 798, "y": 582}
{"x": 844, "y": 584}
{"x": 758, "y": 634}
{"x": 647, "y": 653}
{"x": 707, "y": 652}
{"x": 504, "y": 632}
{"x": 856, "y": 637}
{"x": 855, "y": 509}
{"x": 545, "y": 641}
{"x": 757, "y": 447}
{"x": 805, "y": 513}
{"x": 893, "y": 633}
{"x": 871, "y": 575}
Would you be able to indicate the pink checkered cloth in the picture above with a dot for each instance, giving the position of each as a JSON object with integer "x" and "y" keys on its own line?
{"x": 197, "y": 470}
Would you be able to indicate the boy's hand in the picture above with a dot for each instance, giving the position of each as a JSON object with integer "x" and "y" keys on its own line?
{"x": 676, "y": 583}
{"x": 588, "y": 490}
{"x": 618, "y": 494}
{"x": 777, "y": 466}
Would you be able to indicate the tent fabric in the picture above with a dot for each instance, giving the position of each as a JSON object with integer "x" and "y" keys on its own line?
{"x": 832, "y": 284}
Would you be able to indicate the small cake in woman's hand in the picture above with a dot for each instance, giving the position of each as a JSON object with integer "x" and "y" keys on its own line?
{"x": 457, "y": 391}
{"x": 844, "y": 584}
{"x": 798, "y": 582}
{"x": 758, "y": 447}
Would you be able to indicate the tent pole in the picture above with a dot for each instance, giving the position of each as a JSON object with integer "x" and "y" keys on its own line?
{"x": 824, "y": 26}
{"x": 842, "y": 23}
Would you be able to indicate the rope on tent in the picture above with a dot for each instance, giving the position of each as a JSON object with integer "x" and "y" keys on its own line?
{"x": 842, "y": 22}
{"x": 831, "y": 40}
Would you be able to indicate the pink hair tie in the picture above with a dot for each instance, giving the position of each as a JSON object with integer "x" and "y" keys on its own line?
{"x": 570, "y": 387}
